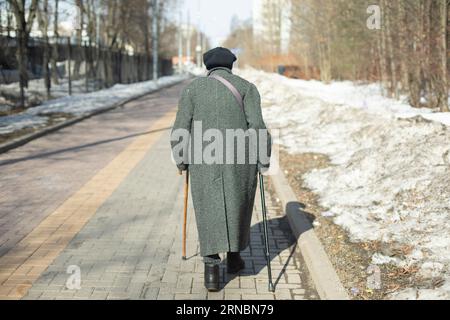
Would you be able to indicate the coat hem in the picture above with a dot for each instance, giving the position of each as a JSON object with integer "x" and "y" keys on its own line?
{"x": 224, "y": 249}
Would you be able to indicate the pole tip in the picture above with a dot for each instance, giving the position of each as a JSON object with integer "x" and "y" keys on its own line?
{"x": 184, "y": 258}
{"x": 271, "y": 287}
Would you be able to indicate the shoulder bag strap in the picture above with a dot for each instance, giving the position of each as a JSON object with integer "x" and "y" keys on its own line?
{"x": 232, "y": 88}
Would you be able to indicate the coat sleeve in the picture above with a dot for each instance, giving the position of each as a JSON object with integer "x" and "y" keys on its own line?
{"x": 182, "y": 129}
{"x": 252, "y": 107}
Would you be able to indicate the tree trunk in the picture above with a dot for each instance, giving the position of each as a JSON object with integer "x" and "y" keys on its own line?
{"x": 402, "y": 42}
{"x": 55, "y": 53}
{"x": 23, "y": 31}
{"x": 382, "y": 51}
{"x": 9, "y": 22}
{"x": 43, "y": 20}
{"x": 427, "y": 54}
{"x": 415, "y": 33}
{"x": 442, "y": 86}
{"x": 393, "y": 86}
{"x": 79, "y": 35}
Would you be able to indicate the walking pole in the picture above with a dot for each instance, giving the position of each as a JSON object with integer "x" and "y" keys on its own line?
{"x": 266, "y": 232}
{"x": 186, "y": 196}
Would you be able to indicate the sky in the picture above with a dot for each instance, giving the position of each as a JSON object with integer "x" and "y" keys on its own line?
{"x": 215, "y": 16}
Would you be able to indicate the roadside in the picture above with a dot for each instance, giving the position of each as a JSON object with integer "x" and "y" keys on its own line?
{"x": 82, "y": 198}
{"x": 381, "y": 178}
{"x": 37, "y": 178}
{"x": 351, "y": 260}
{"x": 122, "y": 253}
{"x": 69, "y": 108}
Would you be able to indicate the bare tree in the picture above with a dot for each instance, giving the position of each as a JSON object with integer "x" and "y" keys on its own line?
{"x": 24, "y": 21}
{"x": 407, "y": 55}
{"x": 79, "y": 35}
{"x": 43, "y": 21}
{"x": 442, "y": 56}
{"x": 54, "y": 56}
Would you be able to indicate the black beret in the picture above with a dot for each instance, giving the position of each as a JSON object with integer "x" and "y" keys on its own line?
{"x": 219, "y": 57}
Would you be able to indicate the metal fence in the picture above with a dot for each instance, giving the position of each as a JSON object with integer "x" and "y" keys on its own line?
{"x": 73, "y": 67}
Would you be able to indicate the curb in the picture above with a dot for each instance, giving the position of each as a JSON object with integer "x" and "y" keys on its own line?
{"x": 323, "y": 274}
{"x": 18, "y": 142}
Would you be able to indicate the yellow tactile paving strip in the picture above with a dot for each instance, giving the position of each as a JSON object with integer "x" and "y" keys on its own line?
{"x": 23, "y": 264}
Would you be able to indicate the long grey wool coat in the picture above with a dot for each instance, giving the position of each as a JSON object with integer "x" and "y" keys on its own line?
{"x": 223, "y": 194}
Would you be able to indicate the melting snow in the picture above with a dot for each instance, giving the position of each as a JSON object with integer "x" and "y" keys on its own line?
{"x": 390, "y": 178}
{"x": 82, "y": 104}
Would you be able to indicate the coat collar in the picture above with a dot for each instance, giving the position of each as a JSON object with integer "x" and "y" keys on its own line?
{"x": 219, "y": 68}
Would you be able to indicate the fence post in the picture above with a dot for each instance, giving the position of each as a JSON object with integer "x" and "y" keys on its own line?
{"x": 101, "y": 70}
{"x": 69, "y": 65}
{"x": 101, "y": 65}
{"x": 47, "y": 73}
{"x": 95, "y": 65}
{"x": 119, "y": 66}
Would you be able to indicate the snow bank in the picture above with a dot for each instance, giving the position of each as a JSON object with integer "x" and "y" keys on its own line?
{"x": 390, "y": 178}
{"x": 9, "y": 124}
{"x": 194, "y": 70}
{"x": 36, "y": 88}
{"x": 369, "y": 97}
{"x": 103, "y": 99}
{"x": 82, "y": 104}
{"x": 364, "y": 96}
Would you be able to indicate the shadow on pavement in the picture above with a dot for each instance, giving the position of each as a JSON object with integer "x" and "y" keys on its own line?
{"x": 281, "y": 239}
{"x": 78, "y": 148}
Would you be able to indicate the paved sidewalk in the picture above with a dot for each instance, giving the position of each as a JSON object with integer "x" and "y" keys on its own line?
{"x": 122, "y": 229}
{"x": 37, "y": 178}
{"x": 131, "y": 247}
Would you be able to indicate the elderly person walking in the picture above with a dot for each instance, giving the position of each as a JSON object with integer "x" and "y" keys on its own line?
{"x": 223, "y": 192}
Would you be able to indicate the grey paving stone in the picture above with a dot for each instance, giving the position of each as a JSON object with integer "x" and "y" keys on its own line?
{"x": 149, "y": 293}
{"x": 131, "y": 247}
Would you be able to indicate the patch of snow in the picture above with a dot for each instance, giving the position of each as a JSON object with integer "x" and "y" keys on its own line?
{"x": 364, "y": 96}
{"x": 327, "y": 214}
{"x": 443, "y": 117}
{"x": 10, "y": 124}
{"x": 431, "y": 269}
{"x": 36, "y": 88}
{"x": 102, "y": 99}
{"x": 5, "y": 108}
{"x": 390, "y": 174}
{"x": 194, "y": 70}
{"x": 83, "y": 104}
{"x": 379, "y": 258}
{"x": 422, "y": 294}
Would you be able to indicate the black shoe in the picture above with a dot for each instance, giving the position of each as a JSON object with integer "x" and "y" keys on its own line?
{"x": 212, "y": 277}
{"x": 234, "y": 263}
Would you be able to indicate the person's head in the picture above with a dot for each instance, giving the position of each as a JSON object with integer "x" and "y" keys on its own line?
{"x": 219, "y": 57}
